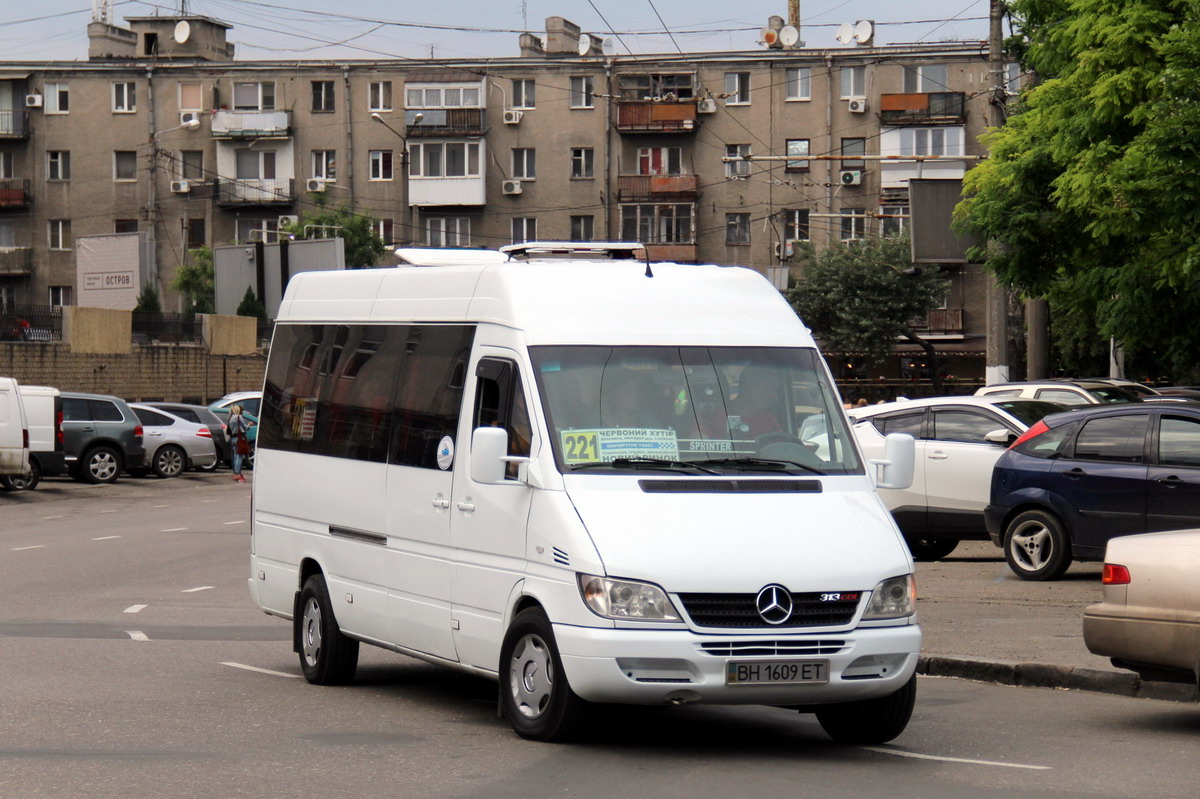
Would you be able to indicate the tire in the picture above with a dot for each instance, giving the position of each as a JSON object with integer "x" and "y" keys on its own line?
{"x": 534, "y": 693}
{"x": 29, "y": 483}
{"x": 326, "y": 656}
{"x": 870, "y": 721}
{"x": 169, "y": 461}
{"x": 101, "y": 464}
{"x": 1036, "y": 546}
{"x": 212, "y": 467}
{"x": 926, "y": 549}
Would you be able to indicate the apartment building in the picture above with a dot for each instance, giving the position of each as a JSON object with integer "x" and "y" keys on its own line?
{"x": 163, "y": 131}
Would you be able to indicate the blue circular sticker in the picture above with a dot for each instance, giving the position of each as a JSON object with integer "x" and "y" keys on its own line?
{"x": 445, "y": 453}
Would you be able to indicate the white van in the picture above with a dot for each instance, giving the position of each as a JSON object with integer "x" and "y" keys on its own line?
{"x": 593, "y": 482}
{"x": 14, "y": 431}
{"x": 44, "y": 415}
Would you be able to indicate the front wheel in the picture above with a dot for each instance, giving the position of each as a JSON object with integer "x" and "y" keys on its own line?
{"x": 1036, "y": 546}
{"x": 870, "y": 721}
{"x": 326, "y": 656}
{"x": 534, "y": 693}
{"x": 926, "y": 549}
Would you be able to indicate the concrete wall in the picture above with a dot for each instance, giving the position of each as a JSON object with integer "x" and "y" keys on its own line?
{"x": 230, "y": 335}
{"x": 98, "y": 330}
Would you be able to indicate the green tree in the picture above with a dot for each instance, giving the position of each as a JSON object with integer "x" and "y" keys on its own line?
{"x": 251, "y": 306}
{"x": 861, "y": 296}
{"x": 1087, "y": 197}
{"x": 194, "y": 280}
{"x": 148, "y": 300}
{"x": 363, "y": 247}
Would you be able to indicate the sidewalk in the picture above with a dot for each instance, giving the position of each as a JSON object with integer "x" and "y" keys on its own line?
{"x": 981, "y": 622}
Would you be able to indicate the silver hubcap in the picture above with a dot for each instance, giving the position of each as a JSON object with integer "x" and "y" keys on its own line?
{"x": 1031, "y": 546}
{"x": 170, "y": 462}
{"x": 312, "y": 632}
{"x": 104, "y": 466}
{"x": 531, "y": 676}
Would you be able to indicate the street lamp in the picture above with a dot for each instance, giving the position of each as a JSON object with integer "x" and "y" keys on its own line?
{"x": 409, "y": 232}
{"x": 190, "y": 124}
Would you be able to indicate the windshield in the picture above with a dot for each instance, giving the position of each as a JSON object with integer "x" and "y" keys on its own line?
{"x": 1111, "y": 395}
{"x": 1030, "y": 412}
{"x": 733, "y": 409}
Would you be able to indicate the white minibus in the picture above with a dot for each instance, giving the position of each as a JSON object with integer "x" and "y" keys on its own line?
{"x": 594, "y": 482}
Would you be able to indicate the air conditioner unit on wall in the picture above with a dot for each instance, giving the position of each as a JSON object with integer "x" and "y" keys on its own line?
{"x": 33, "y": 101}
{"x": 851, "y": 177}
{"x": 181, "y": 186}
{"x": 512, "y": 116}
{"x": 511, "y": 187}
{"x": 706, "y": 106}
{"x": 187, "y": 117}
{"x": 288, "y": 219}
{"x": 857, "y": 105}
{"x": 315, "y": 184}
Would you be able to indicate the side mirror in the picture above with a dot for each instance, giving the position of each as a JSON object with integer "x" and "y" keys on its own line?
{"x": 1002, "y": 436}
{"x": 489, "y": 454}
{"x": 895, "y": 469}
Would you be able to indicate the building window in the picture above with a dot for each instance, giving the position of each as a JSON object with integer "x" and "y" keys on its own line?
{"x": 385, "y": 230}
{"x": 58, "y": 98}
{"x": 582, "y": 162}
{"x": 322, "y": 96}
{"x": 8, "y": 294}
{"x": 582, "y": 92}
{"x": 125, "y": 165}
{"x": 452, "y": 159}
{"x": 381, "y": 164}
{"x": 58, "y": 165}
{"x": 324, "y": 164}
{"x": 583, "y": 228}
{"x": 657, "y": 224}
{"x": 265, "y": 230}
{"x": 448, "y": 231}
{"x": 58, "y": 234}
{"x": 524, "y": 228}
{"x": 660, "y": 160}
{"x": 62, "y": 295}
{"x": 854, "y": 223}
{"x": 657, "y": 87}
{"x": 894, "y": 219}
{"x": 6, "y": 165}
{"x": 925, "y": 78}
{"x": 737, "y": 228}
{"x": 254, "y": 96}
{"x": 255, "y": 165}
{"x": 795, "y": 224}
{"x": 799, "y": 149}
{"x": 853, "y": 150}
{"x": 737, "y": 88}
{"x": 379, "y": 96}
{"x": 450, "y": 95}
{"x": 854, "y": 82}
{"x": 524, "y": 163}
{"x": 737, "y": 168}
{"x": 191, "y": 164}
{"x": 931, "y": 141}
{"x": 524, "y": 93}
{"x": 193, "y": 233}
{"x": 124, "y": 97}
{"x": 125, "y": 226}
{"x": 191, "y": 96}
{"x": 799, "y": 83}
{"x": 1012, "y": 77}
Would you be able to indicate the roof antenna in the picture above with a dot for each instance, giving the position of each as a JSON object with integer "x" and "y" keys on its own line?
{"x": 648, "y": 272}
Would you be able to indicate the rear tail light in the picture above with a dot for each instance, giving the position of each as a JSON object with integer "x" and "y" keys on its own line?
{"x": 58, "y": 431}
{"x": 138, "y": 432}
{"x": 204, "y": 432}
{"x": 1115, "y": 574}
{"x": 1033, "y": 432}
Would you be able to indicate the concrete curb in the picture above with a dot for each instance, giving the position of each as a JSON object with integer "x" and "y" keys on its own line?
{"x": 1044, "y": 675}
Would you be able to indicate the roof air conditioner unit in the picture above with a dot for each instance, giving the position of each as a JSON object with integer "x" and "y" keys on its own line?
{"x": 33, "y": 101}
{"x": 288, "y": 219}
{"x": 512, "y": 116}
{"x": 188, "y": 117}
{"x": 511, "y": 187}
{"x": 181, "y": 186}
{"x": 315, "y": 184}
{"x": 851, "y": 177}
{"x": 706, "y": 106}
{"x": 857, "y": 105}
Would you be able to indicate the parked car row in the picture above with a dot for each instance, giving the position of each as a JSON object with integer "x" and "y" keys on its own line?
{"x": 97, "y": 438}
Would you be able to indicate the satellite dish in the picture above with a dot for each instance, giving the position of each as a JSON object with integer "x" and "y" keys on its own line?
{"x": 864, "y": 30}
{"x": 182, "y": 31}
{"x": 789, "y": 36}
{"x": 769, "y": 37}
{"x": 585, "y": 44}
{"x": 845, "y": 33}
{"x": 608, "y": 46}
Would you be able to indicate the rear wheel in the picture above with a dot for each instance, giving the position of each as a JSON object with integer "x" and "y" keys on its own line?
{"x": 169, "y": 461}
{"x": 18, "y": 483}
{"x": 326, "y": 656}
{"x": 870, "y": 721}
{"x": 926, "y": 549}
{"x": 1036, "y": 546}
{"x": 101, "y": 465}
{"x": 534, "y": 693}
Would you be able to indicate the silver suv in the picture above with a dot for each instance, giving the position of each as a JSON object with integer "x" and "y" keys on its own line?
{"x": 101, "y": 436}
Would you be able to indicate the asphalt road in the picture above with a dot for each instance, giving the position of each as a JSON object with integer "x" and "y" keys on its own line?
{"x": 132, "y": 664}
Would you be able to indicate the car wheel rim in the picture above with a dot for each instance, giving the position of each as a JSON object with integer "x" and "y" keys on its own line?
{"x": 104, "y": 466}
{"x": 170, "y": 463}
{"x": 531, "y": 676}
{"x": 312, "y": 632}
{"x": 1031, "y": 546}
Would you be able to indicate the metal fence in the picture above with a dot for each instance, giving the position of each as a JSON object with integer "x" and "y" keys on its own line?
{"x": 166, "y": 328}
{"x": 30, "y": 322}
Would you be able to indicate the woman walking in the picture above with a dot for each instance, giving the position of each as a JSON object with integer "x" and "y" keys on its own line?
{"x": 239, "y": 426}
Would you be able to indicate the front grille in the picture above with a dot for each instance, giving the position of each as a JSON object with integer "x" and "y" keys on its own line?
{"x": 771, "y": 648}
{"x": 739, "y": 610}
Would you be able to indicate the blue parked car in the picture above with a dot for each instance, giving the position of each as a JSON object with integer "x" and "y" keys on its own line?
{"x": 251, "y": 402}
{"x": 1076, "y": 479}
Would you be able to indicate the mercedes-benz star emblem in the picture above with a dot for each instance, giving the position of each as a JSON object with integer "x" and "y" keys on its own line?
{"x": 774, "y": 604}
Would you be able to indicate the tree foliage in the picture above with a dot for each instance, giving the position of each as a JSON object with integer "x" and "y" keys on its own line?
{"x": 148, "y": 301}
{"x": 251, "y": 306}
{"x": 1088, "y": 195}
{"x": 363, "y": 247}
{"x": 194, "y": 280}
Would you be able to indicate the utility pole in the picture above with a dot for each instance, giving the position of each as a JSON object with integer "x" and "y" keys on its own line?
{"x": 996, "y": 370}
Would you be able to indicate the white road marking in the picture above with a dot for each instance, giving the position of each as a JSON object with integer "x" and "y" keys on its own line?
{"x": 162, "y": 506}
{"x": 106, "y": 538}
{"x": 137, "y": 635}
{"x": 135, "y": 608}
{"x": 968, "y": 761}
{"x": 260, "y": 671}
{"x": 59, "y": 516}
{"x": 206, "y": 501}
{"x": 194, "y": 590}
{"x": 114, "y": 510}
{"x": 35, "y": 546}
{"x": 173, "y": 530}
{"x": 239, "y": 521}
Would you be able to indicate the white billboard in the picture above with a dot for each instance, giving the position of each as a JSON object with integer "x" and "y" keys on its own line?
{"x": 110, "y": 270}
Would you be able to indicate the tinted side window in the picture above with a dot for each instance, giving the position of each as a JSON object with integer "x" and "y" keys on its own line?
{"x": 251, "y": 406}
{"x": 955, "y": 425}
{"x": 901, "y": 423}
{"x": 1179, "y": 441}
{"x": 188, "y": 414}
{"x": 1048, "y": 444}
{"x": 76, "y": 410}
{"x": 153, "y": 419}
{"x": 429, "y": 391}
{"x": 1113, "y": 438}
{"x": 104, "y": 411}
{"x": 500, "y": 402}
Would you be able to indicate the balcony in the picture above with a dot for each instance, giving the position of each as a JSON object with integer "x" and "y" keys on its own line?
{"x": 14, "y": 194}
{"x": 250, "y": 191}
{"x": 671, "y": 253}
{"x": 641, "y": 116}
{"x": 933, "y": 108}
{"x": 14, "y": 123}
{"x": 657, "y": 187}
{"x": 442, "y": 122}
{"x": 16, "y": 261}
{"x": 940, "y": 320}
{"x": 252, "y": 124}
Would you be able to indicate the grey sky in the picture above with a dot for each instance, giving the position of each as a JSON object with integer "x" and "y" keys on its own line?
{"x": 323, "y": 29}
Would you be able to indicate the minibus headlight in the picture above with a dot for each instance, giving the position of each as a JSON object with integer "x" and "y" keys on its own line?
{"x": 626, "y": 599}
{"x": 893, "y": 598}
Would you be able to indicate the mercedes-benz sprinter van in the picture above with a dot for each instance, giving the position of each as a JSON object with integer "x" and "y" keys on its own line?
{"x": 593, "y": 482}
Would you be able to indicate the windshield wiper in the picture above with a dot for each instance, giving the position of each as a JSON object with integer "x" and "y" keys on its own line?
{"x": 738, "y": 463}
{"x": 645, "y": 463}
